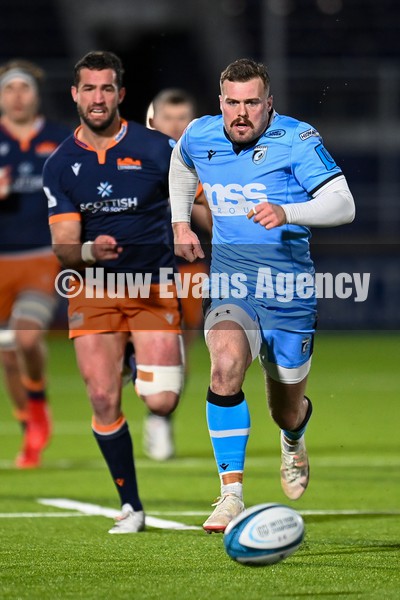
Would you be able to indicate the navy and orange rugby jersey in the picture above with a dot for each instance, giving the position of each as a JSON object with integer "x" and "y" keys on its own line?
{"x": 23, "y": 214}
{"x": 122, "y": 192}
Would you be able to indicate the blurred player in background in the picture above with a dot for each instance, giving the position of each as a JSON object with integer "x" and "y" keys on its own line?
{"x": 268, "y": 178}
{"x": 27, "y": 264}
{"x": 170, "y": 112}
{"x": 107, "y": 189}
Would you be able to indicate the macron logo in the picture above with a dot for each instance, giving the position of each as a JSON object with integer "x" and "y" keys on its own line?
{"x": 76, "y": 167}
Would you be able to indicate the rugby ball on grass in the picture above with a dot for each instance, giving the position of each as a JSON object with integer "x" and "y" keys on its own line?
{"x": 264, "y": 534}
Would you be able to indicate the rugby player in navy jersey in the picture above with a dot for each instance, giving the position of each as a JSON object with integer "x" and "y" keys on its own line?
{"x": 27, "y": 264}
{"x": 107, "y": 190}
{"x": 267, "y": 179}
{"x": 170, "y": 111}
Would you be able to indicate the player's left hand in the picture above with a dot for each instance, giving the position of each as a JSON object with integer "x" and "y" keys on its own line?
{"x": 268, "y": 215}
{"x": 105, "y": 247}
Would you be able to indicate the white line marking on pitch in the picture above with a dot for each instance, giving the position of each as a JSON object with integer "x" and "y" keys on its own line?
{"x": 194, "y": 513}
{"x": 94, "y": 509}
{"x": 30, "y": 515}
{"x": 85, "y": 509}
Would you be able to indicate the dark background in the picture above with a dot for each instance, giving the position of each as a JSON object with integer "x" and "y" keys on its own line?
{"x": 333, "y": 63}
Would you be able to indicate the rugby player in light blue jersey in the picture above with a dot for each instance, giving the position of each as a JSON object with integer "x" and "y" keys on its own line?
{"x": 107, "y": 190}
{"x": 267, "y": 179}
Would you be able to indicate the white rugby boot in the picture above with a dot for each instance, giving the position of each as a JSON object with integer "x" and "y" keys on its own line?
{"x": 129, "y": 521}
{"x": 158, "y": 437}
{"x": 227, "y": 507}
{"x": 295, "y": 469}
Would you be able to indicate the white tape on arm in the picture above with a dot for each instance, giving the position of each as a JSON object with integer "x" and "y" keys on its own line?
{"x": 183, "y": 183}
{"x": 87, "y": 253}
{"x": 331, "y": 205}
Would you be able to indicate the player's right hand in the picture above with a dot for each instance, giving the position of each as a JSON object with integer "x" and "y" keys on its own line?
{"x": 187, "y": 244}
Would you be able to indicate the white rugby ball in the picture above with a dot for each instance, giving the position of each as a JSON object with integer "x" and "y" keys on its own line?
{"x": 264, "y": 534}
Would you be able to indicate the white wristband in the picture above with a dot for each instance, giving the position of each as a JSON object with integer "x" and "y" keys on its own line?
{"x": 87, "y": 253}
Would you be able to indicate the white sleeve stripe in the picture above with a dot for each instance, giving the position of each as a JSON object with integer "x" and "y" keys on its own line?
{"x": 229, "y": 433}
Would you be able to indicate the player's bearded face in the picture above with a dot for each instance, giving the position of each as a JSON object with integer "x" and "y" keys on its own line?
{"x": 90, "y": 116}
{"x": 245, "y": 109}
{"x": 97, "y": 98}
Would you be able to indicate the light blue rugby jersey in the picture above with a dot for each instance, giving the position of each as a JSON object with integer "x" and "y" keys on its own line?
{"x": 285, "y": 165}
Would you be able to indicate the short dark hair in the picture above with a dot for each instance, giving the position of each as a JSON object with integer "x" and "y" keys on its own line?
{"x": 98, "y": 60}
{"x": 245, "y": 69}
{"x": 175, "y": 96}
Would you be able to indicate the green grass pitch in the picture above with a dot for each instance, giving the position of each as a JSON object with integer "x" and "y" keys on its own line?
{"x": 351, "y": 508}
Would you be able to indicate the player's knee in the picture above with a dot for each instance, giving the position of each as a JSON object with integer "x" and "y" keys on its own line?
{"x": 160, "y": 386}
{"x": 155, "y": 379}
{"x": 162, "y": 404}
{"x": 227, "y": 368}
{"x": 9, "y": 361}
{"x": 28, "y": 340}
{"x": 104, "y": 403}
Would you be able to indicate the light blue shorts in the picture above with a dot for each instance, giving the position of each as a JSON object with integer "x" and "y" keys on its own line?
{"x": 283, "y": 339}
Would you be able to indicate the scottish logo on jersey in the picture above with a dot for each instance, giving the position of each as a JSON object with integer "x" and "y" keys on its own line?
{"x": 259, "y": 154}
{"x": 26, "y": 180}
{"x": 104, "y": 189}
